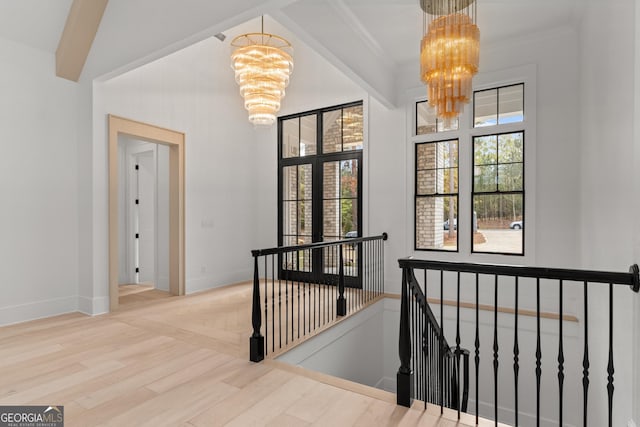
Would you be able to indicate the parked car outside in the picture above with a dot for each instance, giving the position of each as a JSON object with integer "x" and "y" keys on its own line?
{"x": 455, "y": 224}
{"x": 516, "y": 225}
{"x": 351, "y": 234}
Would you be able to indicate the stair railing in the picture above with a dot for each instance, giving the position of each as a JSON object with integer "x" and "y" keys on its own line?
{"x": 415, "y": 377}
{"x": 299, "y": 290}
{"x": 431, "y": 368}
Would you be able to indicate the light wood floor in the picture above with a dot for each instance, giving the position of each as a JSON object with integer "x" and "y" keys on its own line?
{"x": 139, "y": 293}
{"x": 180, "y": 361}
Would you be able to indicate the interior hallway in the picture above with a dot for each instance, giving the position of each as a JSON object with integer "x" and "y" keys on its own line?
{"x": 180, "y": 361}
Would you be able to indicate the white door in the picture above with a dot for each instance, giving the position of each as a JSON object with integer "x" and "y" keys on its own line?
{"x": 145, "y": 217}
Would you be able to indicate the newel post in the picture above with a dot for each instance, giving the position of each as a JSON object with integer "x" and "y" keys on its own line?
{"x": 405, "y": 376}
{"x": 256, "y": 342}
{"x": 341, "y": 303}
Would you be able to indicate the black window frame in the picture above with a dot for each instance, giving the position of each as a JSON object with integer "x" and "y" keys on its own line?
{"x": 497, "y": 191}
{"x": 434, "y": 195}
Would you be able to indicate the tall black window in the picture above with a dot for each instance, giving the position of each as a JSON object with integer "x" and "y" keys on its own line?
{"x": 436, "y": 198}
{"x": 498, "y": 193}
{"x": 320, "y": 183}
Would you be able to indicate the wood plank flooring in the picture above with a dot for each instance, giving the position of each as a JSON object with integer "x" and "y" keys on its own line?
{"x": 180, "y": 361}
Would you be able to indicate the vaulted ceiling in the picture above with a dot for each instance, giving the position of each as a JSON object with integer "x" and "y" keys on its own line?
{"x": 369, "y": 40}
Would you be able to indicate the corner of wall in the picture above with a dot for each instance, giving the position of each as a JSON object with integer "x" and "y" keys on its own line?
{"x": 93, "y": 306}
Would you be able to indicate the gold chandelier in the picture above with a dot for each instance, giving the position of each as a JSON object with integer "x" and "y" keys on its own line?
{"x": 449, "y": 54}
{"x": 262, "y": 64}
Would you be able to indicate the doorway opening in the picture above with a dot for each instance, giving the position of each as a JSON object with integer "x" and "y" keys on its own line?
{"x": 146, "y": 211}
{"x": 143, "y": 220}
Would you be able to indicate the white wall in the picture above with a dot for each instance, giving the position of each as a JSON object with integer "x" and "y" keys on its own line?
{"x": 193, "y": 91}
{"x": 607, "y": 124}
{"x": 607, "y": 150}
{"x": 555, "y": 192}
{"x": 38, "y": 186}
{"x": 352, "y": 349}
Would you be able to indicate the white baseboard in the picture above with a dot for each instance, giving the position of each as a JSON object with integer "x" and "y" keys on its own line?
{"x": 37, "y": 310}
{"x": 93, "y": 306}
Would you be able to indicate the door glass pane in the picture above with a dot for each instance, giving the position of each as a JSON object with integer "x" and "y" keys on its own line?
{"x": 332, "y": 131}
{"x": 297, "y": 213}
{"x": 331, "y": 186}
{"x": 308, "y": 135}
{"x": 349, "y": 178}
{"x": 340, "y": 193}
{"x": 352, "y": 128}
{"x": 290, "y": 218}
{"x": 289, "y": 183}
{"x": 291, "y": 138}
{"x": 305, "y": 182}
{"x": 304, "y": 218}
{"x": 331, "y": 220}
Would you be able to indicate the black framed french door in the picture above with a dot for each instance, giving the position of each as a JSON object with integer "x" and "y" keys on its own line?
{"x": 320, "y": 193}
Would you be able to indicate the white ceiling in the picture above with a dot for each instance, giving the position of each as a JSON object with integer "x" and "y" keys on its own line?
{"x": 35, "y": 23}
{"x": 369, "y": 40}
{"x": 396, "y": 25}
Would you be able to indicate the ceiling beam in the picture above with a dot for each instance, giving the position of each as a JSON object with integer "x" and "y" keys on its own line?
{"x": 76, "y": 40}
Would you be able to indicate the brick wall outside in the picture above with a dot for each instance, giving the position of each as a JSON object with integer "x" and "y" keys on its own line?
{"x": 429, "y": 210}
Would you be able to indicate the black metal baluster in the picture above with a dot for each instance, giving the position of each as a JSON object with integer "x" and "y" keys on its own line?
{"x": 335, "y": 288}
{"x": 560, "y": 357}
{"x": 585, "y": 356}
{"x": 292, "y": 308}
{"x": 516, "y": 353}
{"x": 420, "y": 345}
{"x": 299, "y": 303}
{"x": 286, "y": 262}
{"x": 266, "y": 307}
{"x": 538, "y": 352}
{"x": 610, "y": 369}
{"x": 315, "y": 301}
{"x": 413, "y": 338}
{"x": 495, "y": 350}
{"x": 286, "y": 302}
{"x": 441, "y": 342}
{"x": 425, "y": 355}
{"x": 273, "y": 304}
{"x": 458, "y": 343}
{"x": 341, "y": 305}
{"x": 384, "y": 237}
{"x": 425, "y": 347}
{"x": 477, "y": 345}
